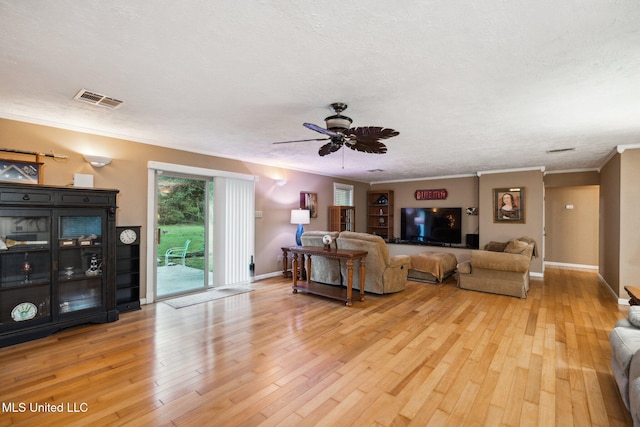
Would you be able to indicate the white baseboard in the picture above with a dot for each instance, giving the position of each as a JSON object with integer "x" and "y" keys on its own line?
{"x": 567, "y": 265}
{"x": 268, "y": 275}
{"x": 621, "y": 301}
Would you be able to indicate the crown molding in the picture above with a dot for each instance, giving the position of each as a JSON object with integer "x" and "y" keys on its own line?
{"x": 540, "y": 168}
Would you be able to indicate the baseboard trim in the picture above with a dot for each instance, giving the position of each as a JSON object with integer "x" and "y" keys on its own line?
{"x": 572, "y": 266}
{"x": 268, "y": 275}
{"x": 621, "y": 301}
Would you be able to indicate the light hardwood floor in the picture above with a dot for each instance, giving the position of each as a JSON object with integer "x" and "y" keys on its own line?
{"x": 431, "y": 355}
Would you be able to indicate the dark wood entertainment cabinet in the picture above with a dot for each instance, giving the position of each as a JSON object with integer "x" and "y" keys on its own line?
{"x": 57, "y": 259}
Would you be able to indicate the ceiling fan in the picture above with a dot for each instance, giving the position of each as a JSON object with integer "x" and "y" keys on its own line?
{"x": 365, "y": 139}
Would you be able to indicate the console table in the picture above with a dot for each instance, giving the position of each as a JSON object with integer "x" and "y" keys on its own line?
{"x": 634, "y": 294}
{"x": 330, "y": 291}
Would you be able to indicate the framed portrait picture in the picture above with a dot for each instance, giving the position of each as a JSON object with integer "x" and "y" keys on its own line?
{"x": 508, "y": 205}
{"x": 309, "y": 201}
{"x": 19, "y": 171}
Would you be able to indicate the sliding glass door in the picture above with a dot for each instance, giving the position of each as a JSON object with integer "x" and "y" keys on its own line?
{"x": 201, "y": 229}
{"x": 183, "y": 209}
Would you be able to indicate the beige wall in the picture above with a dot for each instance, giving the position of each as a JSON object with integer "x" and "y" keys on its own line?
{"x": 609, "y": 251}
{"x": 571, "y": 179}
{"x": 461, "y": 192}
{"x": 619, "y": 221}
{"x": 629, "y": 219}
{"x": 478, "y": 192}
{"x": 128, "y": 173}
{"x": 619, "y": 228}
{"x": 572, "y": 234}
{"x": 532, "y": 182}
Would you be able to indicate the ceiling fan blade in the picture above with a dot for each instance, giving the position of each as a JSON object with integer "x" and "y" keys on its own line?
{"x": 320, "y": 129}
{"x": 375, "y": 147}
{"x": 366, "y": 138}
{"x": 301, "y": 140}
{"x": 329, "y": 148}
{"x": 367, "y": 134}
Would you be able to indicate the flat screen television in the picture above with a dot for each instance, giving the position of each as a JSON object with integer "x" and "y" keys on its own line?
{"x": 431, "y": 225}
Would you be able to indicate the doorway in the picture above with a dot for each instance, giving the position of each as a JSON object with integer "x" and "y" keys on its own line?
{"x": 571, "y": 226}
{"x": 184, "y": 206}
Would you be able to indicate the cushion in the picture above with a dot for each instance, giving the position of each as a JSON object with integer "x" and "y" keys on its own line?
{"x": 464, "y": 267}
{"x": 495, "y": 246}
{"x": 634, "y": 315}
{"x": 516, "y": 247}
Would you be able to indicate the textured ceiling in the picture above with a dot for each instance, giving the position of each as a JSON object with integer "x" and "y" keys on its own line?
{"x": 470, "y": 86}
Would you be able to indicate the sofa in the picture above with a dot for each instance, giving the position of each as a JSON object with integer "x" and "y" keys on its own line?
{"x": 384, "y": 273}
{"x": 324, "y": 270}
{"x": 500, "y": 268}
{"x": 625, "y": 361}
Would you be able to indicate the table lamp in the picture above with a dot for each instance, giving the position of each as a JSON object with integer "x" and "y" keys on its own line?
{"x": 299, "y": 216}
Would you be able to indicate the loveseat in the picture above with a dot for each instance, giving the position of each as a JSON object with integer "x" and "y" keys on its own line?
{"x": 384, "y": 273}
{"x": 500, "y": 268}
{"x": 625, "y": 361}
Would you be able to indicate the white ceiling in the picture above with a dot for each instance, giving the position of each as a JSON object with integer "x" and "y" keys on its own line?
{"x": 470, "y": 85}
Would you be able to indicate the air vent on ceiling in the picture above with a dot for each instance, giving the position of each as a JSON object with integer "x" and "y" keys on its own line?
{"x": 97, "y": 99}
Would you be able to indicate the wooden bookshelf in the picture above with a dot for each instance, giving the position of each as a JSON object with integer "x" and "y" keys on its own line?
{"x": 380, "y": 213}
{"x": 342, "y": 218}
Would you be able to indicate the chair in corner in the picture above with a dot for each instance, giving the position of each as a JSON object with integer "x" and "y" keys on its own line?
{"x": 177, "y": 252}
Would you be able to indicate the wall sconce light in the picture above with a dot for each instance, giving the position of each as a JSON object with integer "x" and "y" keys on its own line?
{"x": 281, "y": 182}
{"x": 300, "y": 216}
{"x": 97, "y": 161}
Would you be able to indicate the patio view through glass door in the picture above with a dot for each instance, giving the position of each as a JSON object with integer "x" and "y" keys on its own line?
{"x": 183, "y": 208}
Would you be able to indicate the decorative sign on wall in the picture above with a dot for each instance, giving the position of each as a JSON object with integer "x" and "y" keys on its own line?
{"x": 439, "y": 194}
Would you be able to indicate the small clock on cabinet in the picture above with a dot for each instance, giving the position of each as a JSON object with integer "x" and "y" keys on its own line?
{"x": 128, "y": 236}
{"x": 24, "y": 311}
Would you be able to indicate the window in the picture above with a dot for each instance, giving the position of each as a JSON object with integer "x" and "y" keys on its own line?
{"x": 342, "y": 194}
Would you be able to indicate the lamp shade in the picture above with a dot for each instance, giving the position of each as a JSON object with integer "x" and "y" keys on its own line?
{"x": 300, "y": 216}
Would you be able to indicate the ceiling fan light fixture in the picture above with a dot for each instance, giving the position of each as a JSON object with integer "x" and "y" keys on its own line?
{"x": 338, "y": 122}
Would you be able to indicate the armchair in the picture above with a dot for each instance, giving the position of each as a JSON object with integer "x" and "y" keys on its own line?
{"x": 385, "y": 273}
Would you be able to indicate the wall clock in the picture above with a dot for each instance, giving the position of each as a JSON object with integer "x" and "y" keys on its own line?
{"x": 24, "y": 311}
{"x": 128, "y": 236}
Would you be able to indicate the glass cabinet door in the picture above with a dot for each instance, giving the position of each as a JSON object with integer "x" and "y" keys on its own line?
{"x": 25, "y": 268}
{"x": 79, "y": 273}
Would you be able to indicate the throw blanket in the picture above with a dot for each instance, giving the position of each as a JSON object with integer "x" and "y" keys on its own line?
{"x": 436, "y": 263}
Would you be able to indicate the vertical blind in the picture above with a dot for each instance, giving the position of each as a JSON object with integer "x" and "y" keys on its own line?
{"x": 239, "y": 230}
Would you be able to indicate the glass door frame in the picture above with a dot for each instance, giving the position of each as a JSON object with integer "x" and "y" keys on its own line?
{"x": 207, "y": 248}
{"x": 151, "y": 225}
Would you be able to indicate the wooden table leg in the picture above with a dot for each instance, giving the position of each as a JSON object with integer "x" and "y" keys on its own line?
{"x": 362, "y": 273}
{"x": 349, "y": 281}
{"x": 308, "y": 272}
{"x": 285, "y": 263}
{"x": 295, "y": 273}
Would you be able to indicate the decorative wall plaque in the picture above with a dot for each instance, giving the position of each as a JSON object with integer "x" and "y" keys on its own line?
{"x": 438, "y": 194}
